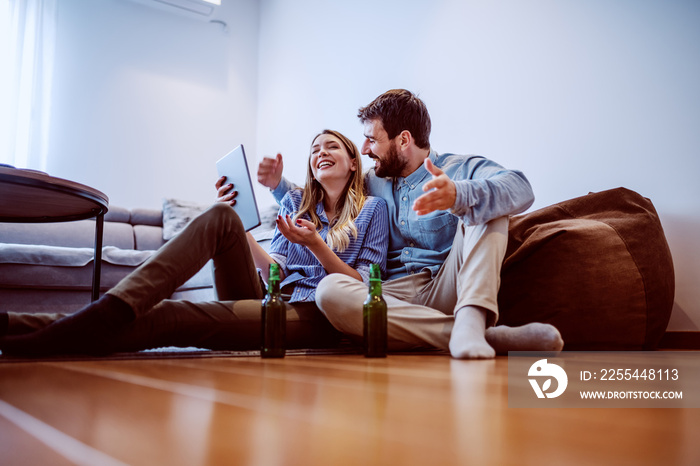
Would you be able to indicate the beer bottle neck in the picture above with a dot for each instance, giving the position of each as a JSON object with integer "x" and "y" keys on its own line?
{"x": 273, "y": 287}
{"x": 375, "y": 287}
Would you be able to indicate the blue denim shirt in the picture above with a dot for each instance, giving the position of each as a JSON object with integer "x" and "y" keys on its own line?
{"x": 485, "y": 191}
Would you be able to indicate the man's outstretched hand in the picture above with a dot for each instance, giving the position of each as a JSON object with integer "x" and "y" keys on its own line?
{"x": 270, "y": 171}
{"x": 440, "y": 192}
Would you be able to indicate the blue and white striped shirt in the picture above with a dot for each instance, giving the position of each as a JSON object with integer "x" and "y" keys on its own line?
{"x": 304, "y": 271}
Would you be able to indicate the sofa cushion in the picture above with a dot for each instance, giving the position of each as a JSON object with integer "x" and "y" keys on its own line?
{"x": 80, "y": 234}
{"x": 150, "y": 217}
{"x": 148, "y": 237}
{"x": 597, "y": 267}
{"x": 117, "y": 214}
{"x": 39, "y": 254}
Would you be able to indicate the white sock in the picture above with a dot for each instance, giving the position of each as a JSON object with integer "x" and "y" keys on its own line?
{"x": 468, "y": 339}
{"x": 530, "y": 337}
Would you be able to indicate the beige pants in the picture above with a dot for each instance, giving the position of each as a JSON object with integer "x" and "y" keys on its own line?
{"x": 420, "y": 308}
{"x": 230, "y": 324}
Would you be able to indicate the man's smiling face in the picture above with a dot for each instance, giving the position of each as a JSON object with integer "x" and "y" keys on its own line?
{"x": 382, "y": 150}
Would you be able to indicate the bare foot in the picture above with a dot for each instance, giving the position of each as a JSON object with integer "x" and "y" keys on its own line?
{"x": 530, "y": 337}
{"x": 468, "y": 339}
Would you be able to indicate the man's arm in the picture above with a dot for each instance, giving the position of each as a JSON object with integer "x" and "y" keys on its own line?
{"x": 490, "y": 191}
{"x": 282, "y": 188}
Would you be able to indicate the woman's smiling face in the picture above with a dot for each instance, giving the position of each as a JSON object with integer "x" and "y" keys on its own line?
{"x": 330, "y": 160}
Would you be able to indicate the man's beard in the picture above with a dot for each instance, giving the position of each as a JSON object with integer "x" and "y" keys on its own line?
{"x": 392, "y": 165}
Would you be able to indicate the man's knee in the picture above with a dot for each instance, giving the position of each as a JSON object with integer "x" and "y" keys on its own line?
{"x": 340, "y": 298}
{"x": 328, "y": 292}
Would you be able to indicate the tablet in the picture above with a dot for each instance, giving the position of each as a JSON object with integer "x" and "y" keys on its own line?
{"x": 234, "y": 167}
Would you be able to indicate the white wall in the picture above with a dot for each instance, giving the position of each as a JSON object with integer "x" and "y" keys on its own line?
{"x": 146, "y": 101}
{"x": 580, "y": 95}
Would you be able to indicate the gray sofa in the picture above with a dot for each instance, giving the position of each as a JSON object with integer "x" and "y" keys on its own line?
{"x": 47, "y": 267}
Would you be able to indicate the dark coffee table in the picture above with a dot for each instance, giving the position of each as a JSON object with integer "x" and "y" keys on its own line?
{"x": 29, "y": 196}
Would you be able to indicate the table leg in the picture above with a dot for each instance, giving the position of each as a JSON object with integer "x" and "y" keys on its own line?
{"x": 97, "y": 264}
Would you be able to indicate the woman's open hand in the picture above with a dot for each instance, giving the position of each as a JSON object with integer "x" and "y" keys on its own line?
{"x": 300, "y": 232}
{"x": 304, "y": 233}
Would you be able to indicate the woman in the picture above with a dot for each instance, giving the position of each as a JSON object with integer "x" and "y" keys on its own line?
{"x": 328, "y": 227}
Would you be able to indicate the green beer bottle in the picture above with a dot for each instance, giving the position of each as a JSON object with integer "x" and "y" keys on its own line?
{"x": 274, "y": 317}
{"x": 374, "y": 317}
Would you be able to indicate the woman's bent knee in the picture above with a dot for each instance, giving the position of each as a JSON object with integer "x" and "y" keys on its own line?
{"x": 221, "y": 216}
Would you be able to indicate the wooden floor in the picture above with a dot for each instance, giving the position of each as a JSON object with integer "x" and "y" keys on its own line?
{"x": 313, "y": 410}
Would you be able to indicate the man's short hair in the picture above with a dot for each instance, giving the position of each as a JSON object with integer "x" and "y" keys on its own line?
{"x": 398, "y": 110}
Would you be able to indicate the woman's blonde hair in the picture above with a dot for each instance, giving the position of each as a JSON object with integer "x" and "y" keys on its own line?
{"x": 348, "y": 206}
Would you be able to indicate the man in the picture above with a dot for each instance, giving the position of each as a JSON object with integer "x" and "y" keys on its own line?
{"x": 448, "y": 217}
